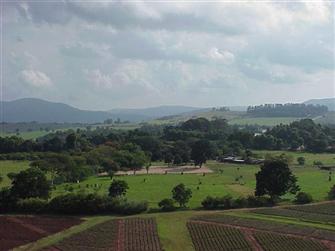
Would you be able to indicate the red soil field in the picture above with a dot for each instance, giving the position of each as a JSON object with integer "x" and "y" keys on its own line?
{"x": 19, "y": 230}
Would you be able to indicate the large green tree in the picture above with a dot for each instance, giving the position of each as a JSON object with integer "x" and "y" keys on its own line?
{"x": 201, "y": 151}
{"x": 30, "y": 183}
{"x": 275, "y": 178}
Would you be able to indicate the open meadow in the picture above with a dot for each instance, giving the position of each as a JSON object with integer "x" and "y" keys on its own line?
{"x": 233, "y": 179}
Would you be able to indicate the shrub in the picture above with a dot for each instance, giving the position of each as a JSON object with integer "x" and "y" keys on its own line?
{"x": 31, "y": 205}
{"x": 7, "y": 201}
{"x": 118, "y": 188}
{"x": 301, "y": 161}
{"x": 225, "y": 202}
{"x": 210, "y": 202}
{"x": 303, "y": 198}
{"x": 240, "y": 202}
{"x": 167, "y": 205}
{"x": 94, "y": 204}
{"x": 331, "y": 193}
{"x": 259, "y": 201}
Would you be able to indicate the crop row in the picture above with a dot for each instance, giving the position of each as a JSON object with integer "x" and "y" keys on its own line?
{"x": 324, "y": 208}
{"x": 206, "y": 237}
{"x": 279, "y": 242}
{"x": 133, "y": 234}
{"x": 141, "y": 234}
{"x": 17, "y": 231}
{"x": 301, "y": 215}
{"x": 270, "y": 226}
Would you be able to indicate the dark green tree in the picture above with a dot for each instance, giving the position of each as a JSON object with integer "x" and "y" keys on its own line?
{"x": 275, "y": 179}
{"x": 30, "y": 183}
{"x": 201, "y": 151}
{"x": 181, "y": 194}
{"x": 118, "y": 188}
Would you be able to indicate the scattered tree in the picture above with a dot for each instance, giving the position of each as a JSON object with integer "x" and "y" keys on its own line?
{"x": 118, "y": 188}
{"x": 181, "y": 194}
{"x": 275, "y": 179}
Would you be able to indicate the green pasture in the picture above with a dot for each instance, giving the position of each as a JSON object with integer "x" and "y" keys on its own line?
{"x": 155, "y": 187}
{"x": 266, "y": 121}
{"x": 9, "y": 166}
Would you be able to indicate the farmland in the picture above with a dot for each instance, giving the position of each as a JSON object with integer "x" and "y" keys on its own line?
{"x": 216, "y": 237}
{"x": 191, "y": 230}
{"x": 16, "y": 231}
{"x": 278, "y": 242}
{"x": 122, "y": 234}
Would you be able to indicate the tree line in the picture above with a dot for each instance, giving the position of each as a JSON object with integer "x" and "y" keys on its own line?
{"x": 287, "y": 110}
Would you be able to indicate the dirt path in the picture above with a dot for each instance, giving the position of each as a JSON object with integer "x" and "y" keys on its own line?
{"x": 248, "y": 235}
{"x": 169, "y": 170}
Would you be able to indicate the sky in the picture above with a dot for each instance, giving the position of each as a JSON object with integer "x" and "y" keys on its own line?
{"x": 101, "y": 55}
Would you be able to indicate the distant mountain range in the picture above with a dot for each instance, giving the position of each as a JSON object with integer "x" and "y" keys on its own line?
{"x": 329, "y": 102}
{"x": 32, "y": 109}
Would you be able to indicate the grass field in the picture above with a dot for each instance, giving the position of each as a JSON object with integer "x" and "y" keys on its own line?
{"x": 9, "y": 166}
{"x": 26, "y": 135}
{"x": 154, "y": 188}
{"x": 262, "y": 121}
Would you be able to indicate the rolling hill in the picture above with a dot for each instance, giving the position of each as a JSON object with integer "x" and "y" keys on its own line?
{"x": 31, "y": 109}
{"x": 42, "y": 111}
{"x": 329, "y": 102}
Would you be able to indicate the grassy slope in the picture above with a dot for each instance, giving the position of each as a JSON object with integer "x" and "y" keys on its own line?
{"x": 9, "y": 166}
{"x": 266, "y": 121}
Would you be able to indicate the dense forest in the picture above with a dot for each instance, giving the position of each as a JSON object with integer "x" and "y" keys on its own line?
{"x": 287, "y": 110}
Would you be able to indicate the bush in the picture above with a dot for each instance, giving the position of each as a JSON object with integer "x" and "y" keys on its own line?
{"x": 301, "y": 161}
{"x": 240, "y": 202}
{"x": 225, "y": 202}
{"x": 167, "y": 205}
{"x": 303, "y": 198}
{"x": 259, "y": 201}
{"x": 94, "y": 204}
{"x": 331, "y": 193}
{"x": 31, "y": 205}
{"x": 210, "y": 202}
{"x": 7, "y": 201}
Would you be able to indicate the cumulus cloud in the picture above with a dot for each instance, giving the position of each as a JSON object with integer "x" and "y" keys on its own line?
{"x": 36, "y": 78}
{"x": 125, "y": 53}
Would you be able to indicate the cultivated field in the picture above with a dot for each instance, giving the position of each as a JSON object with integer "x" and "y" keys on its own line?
{"x": 207, "y": 237}
{"x": 132, "y": 234}
{"x": 19, "y": 230}
{"x": 279, "y": 242}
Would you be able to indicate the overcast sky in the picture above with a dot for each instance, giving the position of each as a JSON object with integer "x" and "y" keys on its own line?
{"x": 109, "y": 54}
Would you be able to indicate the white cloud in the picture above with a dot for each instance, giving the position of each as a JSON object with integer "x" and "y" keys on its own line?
{"x": 224, "y": 56}
{"x": 36, "y": 78}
